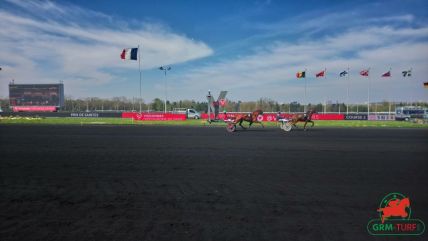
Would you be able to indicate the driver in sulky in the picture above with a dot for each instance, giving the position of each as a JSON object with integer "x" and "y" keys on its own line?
{"x": 278, "y": 116}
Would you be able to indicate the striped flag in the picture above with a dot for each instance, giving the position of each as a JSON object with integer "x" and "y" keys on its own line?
{"x": 130, "y": 54}
{"x": 301, "y": 74}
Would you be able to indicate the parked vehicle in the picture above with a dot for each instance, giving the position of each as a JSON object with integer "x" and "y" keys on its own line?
{"x": 190, "y": 113}
{"x": 410, "y": 112}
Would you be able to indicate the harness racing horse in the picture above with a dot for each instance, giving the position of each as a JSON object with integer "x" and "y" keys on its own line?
{"x": 307, "y": 117}
{"x": 251, "y": 118}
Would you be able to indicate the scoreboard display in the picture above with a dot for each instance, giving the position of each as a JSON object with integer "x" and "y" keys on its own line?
{"x": 36, "y": 95}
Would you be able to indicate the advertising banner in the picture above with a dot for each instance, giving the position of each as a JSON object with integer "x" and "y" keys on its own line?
{"x": 327, "y": 117}
{"x": 95, "y": 114}
{"x": 272, "y": 116}
{"x": 381, "y": 117}
{"x": 154, "y": 116}
{"x": 66, "y": 114}
{"x": 85, "y": 114}
{"x": 355, "y": 116}
{"x": 34, "y": 108}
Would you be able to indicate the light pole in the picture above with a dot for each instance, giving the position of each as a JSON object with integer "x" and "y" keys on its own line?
{"x": 165, "y": 69}
{"x": 209, "y": 106}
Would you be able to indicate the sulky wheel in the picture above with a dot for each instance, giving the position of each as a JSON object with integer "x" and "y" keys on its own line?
{"x": 231, "y": 127}
{"x": 286, "y": 126}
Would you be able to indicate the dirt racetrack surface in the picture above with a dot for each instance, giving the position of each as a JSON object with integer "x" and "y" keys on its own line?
{"x": 203, "y": 183}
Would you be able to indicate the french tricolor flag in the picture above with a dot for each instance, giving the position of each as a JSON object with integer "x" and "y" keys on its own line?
{"x": 130, "y": 53}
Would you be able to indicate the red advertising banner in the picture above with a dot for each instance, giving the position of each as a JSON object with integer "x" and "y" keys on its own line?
{"x": 266, "y": 117}
{"x": 220, "y": 116}
{"x": 272, "y": 116}
{"x": 154, "y": 116}
{"x": 328, "y": 117}
{"x": 34, "y": 108}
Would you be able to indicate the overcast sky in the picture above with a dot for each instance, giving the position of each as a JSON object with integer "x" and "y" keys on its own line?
{"x": 252, "y": 49}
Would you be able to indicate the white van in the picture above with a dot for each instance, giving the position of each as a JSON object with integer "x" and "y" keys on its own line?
{"x": 190, "y": 113}
{"x": 193, "y": 114}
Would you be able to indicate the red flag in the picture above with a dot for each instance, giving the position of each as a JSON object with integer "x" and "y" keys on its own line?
{"x": 387, "y": 74}
{"x": 320, "y": 74}
{"x": 364, "y": 72}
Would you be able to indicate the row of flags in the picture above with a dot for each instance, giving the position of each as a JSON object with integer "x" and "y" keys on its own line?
{"x": 132, "y": 54}
{"x": 364, "y": 72}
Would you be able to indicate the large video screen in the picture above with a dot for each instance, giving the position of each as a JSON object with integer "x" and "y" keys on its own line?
{"x": 36, "y": 95}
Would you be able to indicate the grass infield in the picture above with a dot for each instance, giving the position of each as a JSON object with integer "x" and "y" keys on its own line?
{"x": 121, "y": 121}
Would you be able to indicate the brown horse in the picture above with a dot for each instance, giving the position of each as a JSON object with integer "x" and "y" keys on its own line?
{"x": 307, "y": 117}
{"x": 251, "y": 118}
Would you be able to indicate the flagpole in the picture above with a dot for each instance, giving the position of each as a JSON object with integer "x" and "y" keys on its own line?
{"x": 368, "y": 95}
{"x": 325, "y": 77}
{"x": 325, "y": 105}
{"x": 347, "y": 92}
{"x": 139, "y": 68}
{"x": 389, "y": 109}
{"x": 166, "y": 97}
{"x": 304, "y": 107}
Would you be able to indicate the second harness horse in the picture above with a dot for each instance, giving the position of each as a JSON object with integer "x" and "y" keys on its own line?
{"x": 287, "y": 124}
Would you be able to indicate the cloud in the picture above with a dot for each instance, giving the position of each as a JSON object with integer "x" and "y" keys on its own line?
{"x": 43, "y": 41}
{"x": 270, "y": 71}
{"x": 408, "y": 18}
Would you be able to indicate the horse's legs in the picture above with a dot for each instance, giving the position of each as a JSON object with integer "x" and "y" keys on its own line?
{"x": 262, "y": 124}
{"x": 294, "y": 123}
{"x": 240, "y": 123}
{"x": 250, "y": 124}
{"x": 304, "y": 127}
